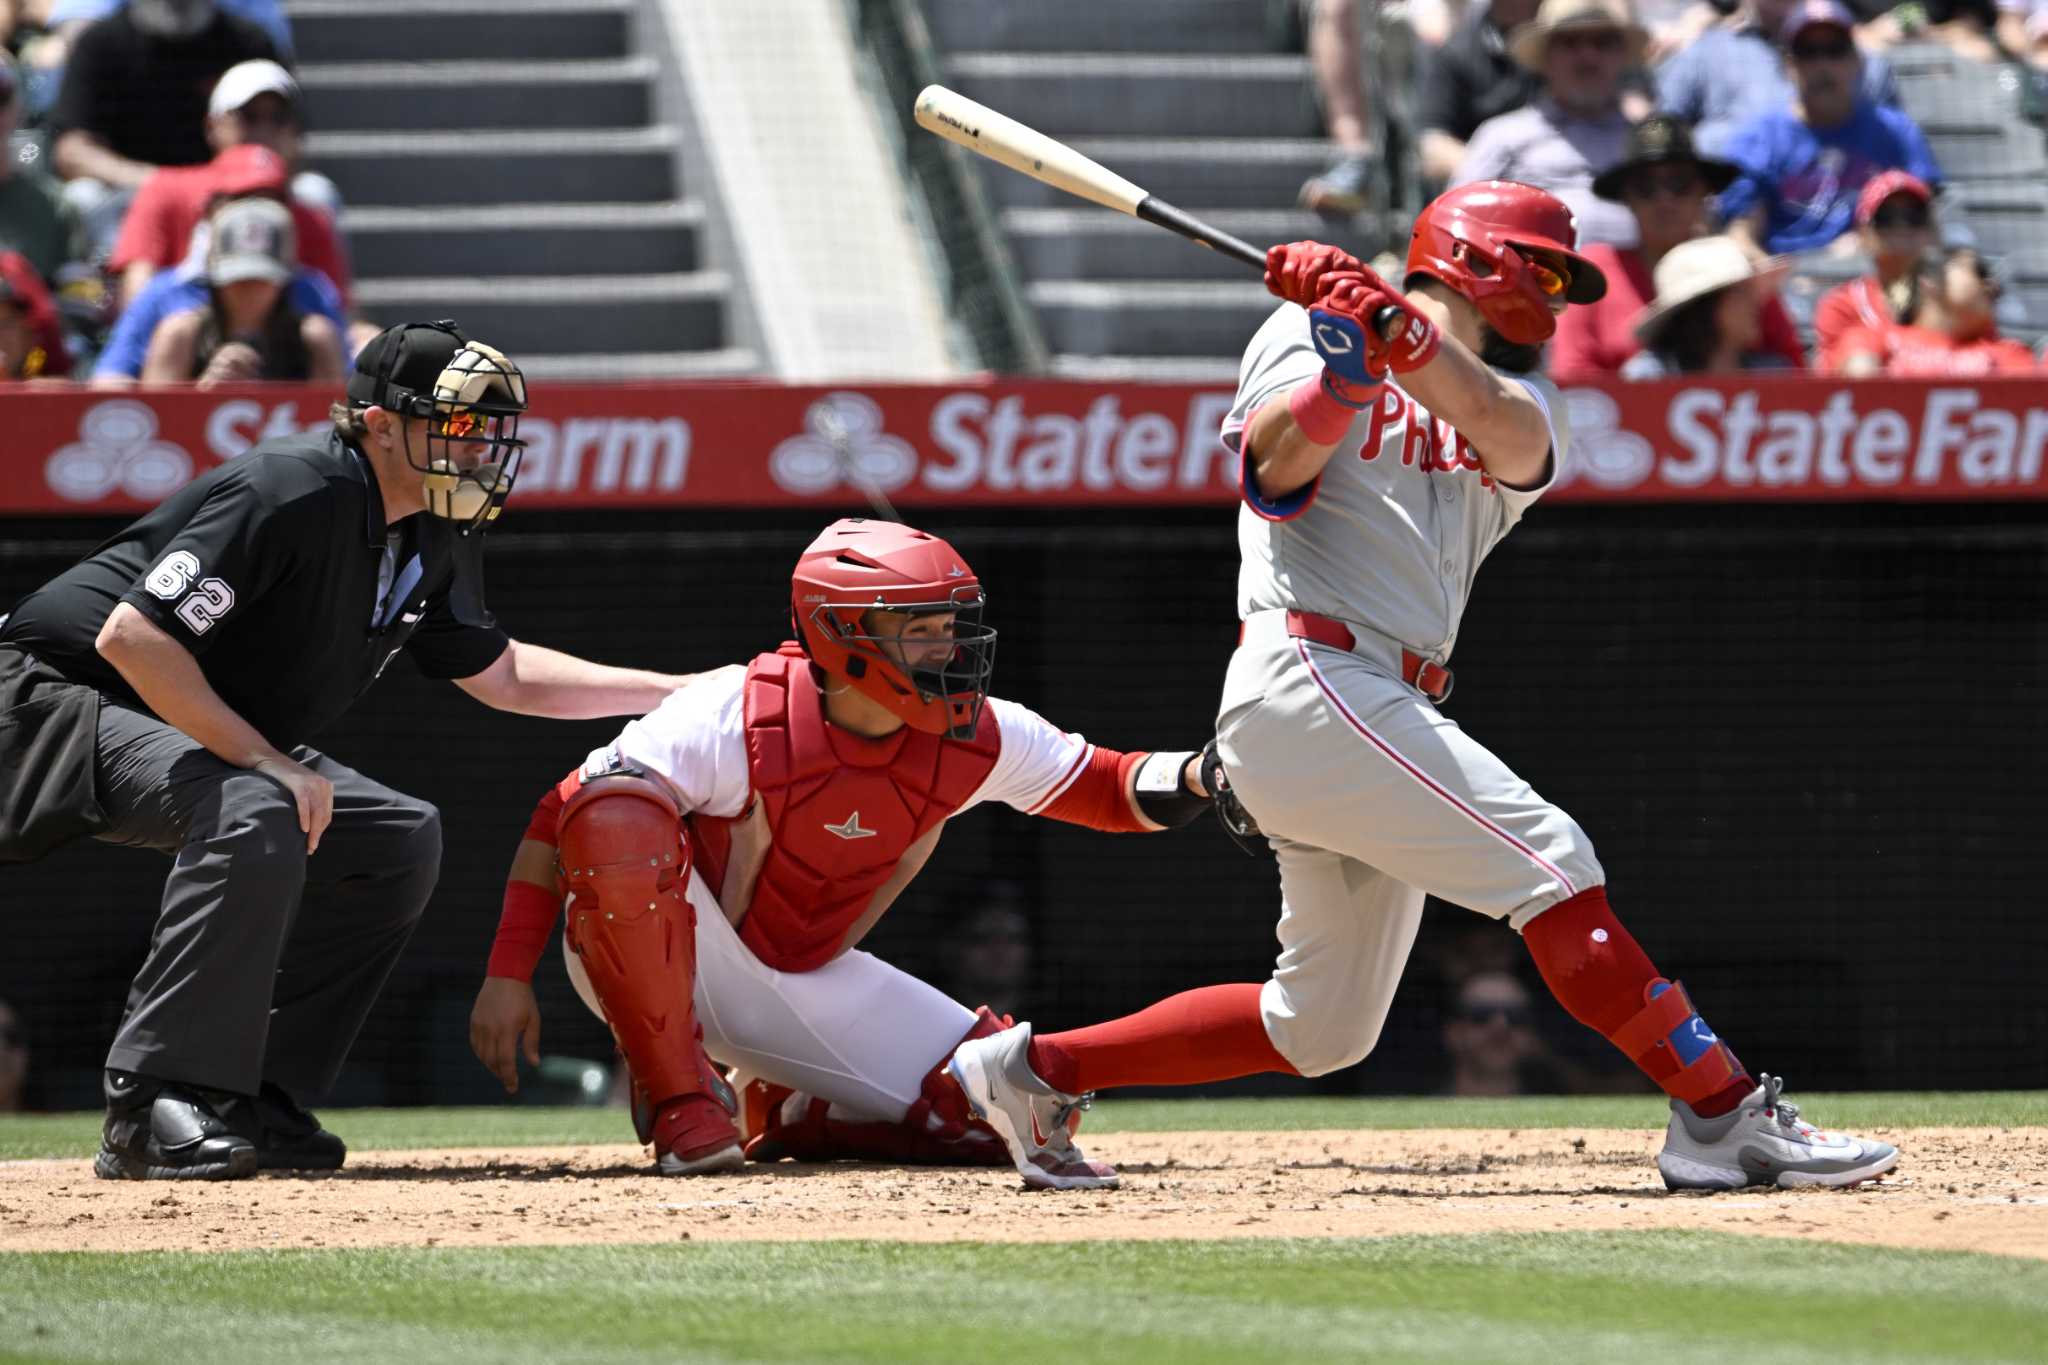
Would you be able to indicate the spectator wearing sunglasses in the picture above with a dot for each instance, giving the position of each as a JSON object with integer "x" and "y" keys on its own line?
{"x": 1737, "y": 67}
{"x": 1576, "y": 128}
{"x": 1708, "y": 313}
{"x": 1895, "y": 223}
{"x": 1491, "y": 1041}
{"x": 1803, "y": 168}
{"x": 1665, "y": 184}
{"x": 1950, "y": 328}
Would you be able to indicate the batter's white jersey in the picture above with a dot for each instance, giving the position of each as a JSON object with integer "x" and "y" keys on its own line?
{"x": 1392, "y": 534}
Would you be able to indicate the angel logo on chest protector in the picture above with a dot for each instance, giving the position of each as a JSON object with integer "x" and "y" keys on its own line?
{"x": 1397, "y": 422}
{"x": 850, "y": 828}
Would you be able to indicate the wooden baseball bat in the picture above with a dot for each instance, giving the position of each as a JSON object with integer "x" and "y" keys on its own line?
{"x": 1000, "y": 138}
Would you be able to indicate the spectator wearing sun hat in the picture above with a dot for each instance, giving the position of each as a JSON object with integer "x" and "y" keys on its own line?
{"x": 1666, "y": 184}
{"x": 1804, "y": 168}
{"x": 1576, "y": 128}
{"x": 1707, "y": 317}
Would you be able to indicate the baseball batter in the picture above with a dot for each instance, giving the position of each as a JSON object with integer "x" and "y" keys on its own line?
{"x": 1388, "y": 441}
{"x": 725, "y": 855}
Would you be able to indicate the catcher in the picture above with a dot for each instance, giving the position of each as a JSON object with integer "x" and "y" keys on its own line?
{"x": 724, "y": 856}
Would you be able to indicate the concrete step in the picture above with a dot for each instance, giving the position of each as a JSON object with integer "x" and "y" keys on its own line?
{"x": 1150, "y": 319}
{"x": 1078, "y": 94}
{"x": 479, "y": 30}
{"x": 487, "y": 167}
{"x": 380, "y": 96}
{"x": 1092, "y": 26}
{"x": 520, "y": 239}
{"x": 1148, "y": 369}
{"x": 622, "y": 366}
{"x": 1201, "y": 175}
{"x": 1090, "y": 243}
{"x": 566, "y": 314}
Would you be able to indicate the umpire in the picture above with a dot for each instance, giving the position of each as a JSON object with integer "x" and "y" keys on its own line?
{"x": 160, "y": 693}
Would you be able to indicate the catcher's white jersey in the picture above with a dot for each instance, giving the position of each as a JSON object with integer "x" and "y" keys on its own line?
{"x": 697, "y": 739}
{"x": 1392, "y": 534}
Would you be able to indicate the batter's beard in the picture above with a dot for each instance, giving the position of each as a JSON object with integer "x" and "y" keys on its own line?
{"x": 1497, "y": 351}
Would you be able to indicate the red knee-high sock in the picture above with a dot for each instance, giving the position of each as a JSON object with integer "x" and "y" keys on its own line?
{"x": 1602, "y": 977}
{"x": 1209, "y": 1034}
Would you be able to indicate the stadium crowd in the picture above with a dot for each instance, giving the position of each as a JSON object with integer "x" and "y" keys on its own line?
{"x": 158, "y": 222}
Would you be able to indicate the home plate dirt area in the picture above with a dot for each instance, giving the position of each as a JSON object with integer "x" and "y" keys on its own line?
{"x": 1960, "y": 1189}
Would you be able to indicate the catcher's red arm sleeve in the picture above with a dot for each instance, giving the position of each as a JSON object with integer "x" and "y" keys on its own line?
{"x": 531, "y": 910}
{"x": 1100, "y": 795}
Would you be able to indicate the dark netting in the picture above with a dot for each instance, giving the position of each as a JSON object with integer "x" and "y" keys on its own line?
{"x": 1802, "y": 738}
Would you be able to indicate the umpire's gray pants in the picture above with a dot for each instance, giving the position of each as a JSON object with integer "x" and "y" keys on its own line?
{"x": 265, "y": 961}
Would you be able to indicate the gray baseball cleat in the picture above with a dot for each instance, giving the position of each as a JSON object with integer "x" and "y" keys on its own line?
{"x": 1030, "y": 1116}
{"x": 1762, "y": 1141}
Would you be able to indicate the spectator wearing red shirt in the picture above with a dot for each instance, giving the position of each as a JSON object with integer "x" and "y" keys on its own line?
{"x": 173, "y": 203}
{"x": 31, "y": 340}
{"x": 1895, "y": 218}
{"x": 1665, "y": 184}
{"x": 1950, "y": 331}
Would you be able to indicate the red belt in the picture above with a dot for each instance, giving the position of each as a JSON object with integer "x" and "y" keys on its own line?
{"x": 1433, "y": 680}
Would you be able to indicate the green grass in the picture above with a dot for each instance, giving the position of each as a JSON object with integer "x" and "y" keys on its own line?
{"x": 60, "y": 1135}
{"x": 1663, "y": 1297}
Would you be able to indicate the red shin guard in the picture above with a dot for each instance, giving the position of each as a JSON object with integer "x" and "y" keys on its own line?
{"x": 1213, "y": 1033}
{"x": 1602, "y": 977}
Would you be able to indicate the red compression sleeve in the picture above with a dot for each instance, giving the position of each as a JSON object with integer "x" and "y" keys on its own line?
{"x": 1209, "y": 1034}
{"x": 1099, "y": 794}
{"x": 530, "y": 910}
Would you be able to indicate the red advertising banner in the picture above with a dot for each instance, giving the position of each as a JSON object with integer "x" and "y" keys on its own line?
{"x": 987, "y": 442}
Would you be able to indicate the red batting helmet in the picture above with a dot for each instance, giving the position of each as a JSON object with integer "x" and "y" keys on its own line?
{"x": 856, "y": 566}
{"x": 1462, "y": 240}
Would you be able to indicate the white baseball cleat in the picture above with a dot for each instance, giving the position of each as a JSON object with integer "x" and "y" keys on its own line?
{"x": 1762, "y": 1141}
{"x": 1030, "y": 1116}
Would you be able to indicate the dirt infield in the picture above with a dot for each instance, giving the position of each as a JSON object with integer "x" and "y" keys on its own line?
{"x": 1956, "y": 1189}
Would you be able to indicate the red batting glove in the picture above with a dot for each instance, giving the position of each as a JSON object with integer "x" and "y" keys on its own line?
{"x": 1364, "y": 295}
{"x": 1296, "y": 272}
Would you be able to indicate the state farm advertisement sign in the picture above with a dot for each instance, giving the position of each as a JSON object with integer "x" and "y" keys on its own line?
{"x": 1040, "y": 443}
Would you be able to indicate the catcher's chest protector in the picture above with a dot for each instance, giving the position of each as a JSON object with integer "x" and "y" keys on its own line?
{"x": 840, "y": 810}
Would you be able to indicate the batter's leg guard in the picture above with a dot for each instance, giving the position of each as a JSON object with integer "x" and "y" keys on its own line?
{"x": 939, "y": 1128}
{"x": 1674, "y": 1047}
{"x": 626, "y": 866}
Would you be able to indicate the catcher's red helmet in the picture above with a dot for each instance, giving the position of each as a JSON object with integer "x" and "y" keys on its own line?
{"x": 1462, "y": 239}
{"x": 856, "y": 566}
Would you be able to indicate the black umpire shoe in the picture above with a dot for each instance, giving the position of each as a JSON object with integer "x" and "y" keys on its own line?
{"x": 287, "y": 1138}
{"x": 160, "y": 1130}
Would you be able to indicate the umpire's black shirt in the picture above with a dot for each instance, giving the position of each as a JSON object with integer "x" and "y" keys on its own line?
{"x": 278, "y": 572}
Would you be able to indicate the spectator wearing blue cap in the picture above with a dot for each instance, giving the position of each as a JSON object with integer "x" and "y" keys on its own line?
{"x": 1803, "y": 168}
{"x": 1738, "y": 68}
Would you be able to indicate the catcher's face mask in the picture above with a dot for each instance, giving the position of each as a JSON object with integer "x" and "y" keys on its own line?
{"x": 930, "y": 662}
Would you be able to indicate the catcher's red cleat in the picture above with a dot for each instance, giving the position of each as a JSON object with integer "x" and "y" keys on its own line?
{"x": 693, "y": 1135}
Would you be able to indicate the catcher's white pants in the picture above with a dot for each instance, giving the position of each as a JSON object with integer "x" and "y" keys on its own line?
{"x": 856, "y": 1031}
{"x": 1372, "y": 798}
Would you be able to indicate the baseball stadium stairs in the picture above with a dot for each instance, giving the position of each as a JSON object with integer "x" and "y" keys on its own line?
{"x": 1183, "y": 97}
{"x": 514, "y": 164}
